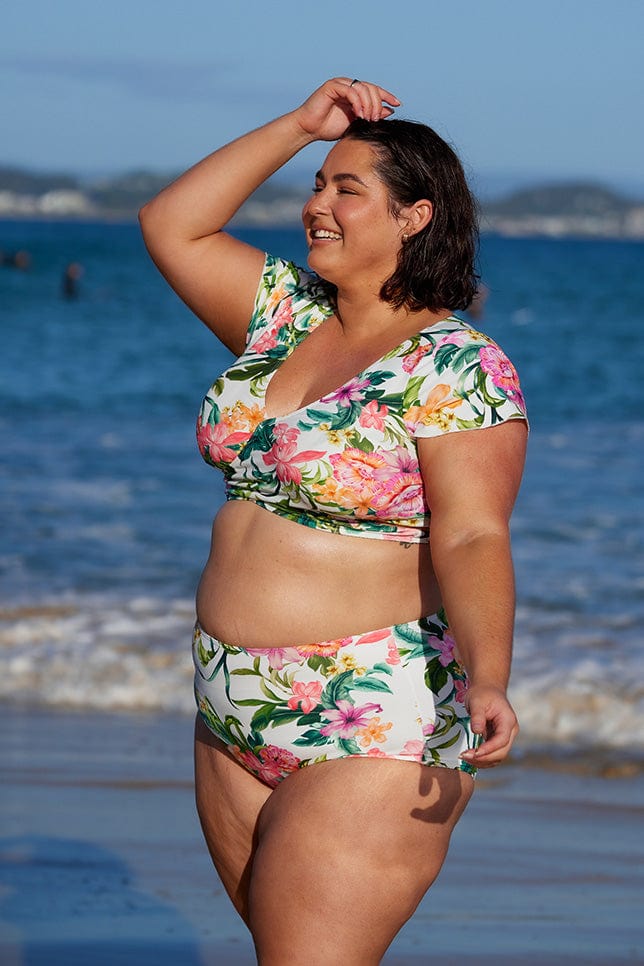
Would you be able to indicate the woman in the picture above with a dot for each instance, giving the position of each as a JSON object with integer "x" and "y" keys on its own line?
{"x": 338, "y": 732}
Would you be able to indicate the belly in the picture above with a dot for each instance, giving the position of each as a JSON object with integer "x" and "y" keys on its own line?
{"x": 269, "y": 581}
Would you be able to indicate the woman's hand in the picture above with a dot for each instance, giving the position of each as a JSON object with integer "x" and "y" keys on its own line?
{"x": 327, "y": 113}
{"x": 491, "y": 716}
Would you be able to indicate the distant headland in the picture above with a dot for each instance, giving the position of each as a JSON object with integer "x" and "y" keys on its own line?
{"x": 559, "y": 210}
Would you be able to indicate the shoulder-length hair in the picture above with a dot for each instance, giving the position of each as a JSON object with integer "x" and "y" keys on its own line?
{"x": 436, "y": 266}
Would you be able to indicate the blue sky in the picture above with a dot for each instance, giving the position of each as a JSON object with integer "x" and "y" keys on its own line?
{"x": 533, "y": 90}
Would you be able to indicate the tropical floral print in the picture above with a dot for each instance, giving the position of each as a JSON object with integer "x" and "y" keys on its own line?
{"x": 398, "y": 692}
{"x": 348, "y": 462}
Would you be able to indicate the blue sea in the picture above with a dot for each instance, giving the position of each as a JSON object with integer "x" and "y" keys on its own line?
{"x": 106, "y": 504}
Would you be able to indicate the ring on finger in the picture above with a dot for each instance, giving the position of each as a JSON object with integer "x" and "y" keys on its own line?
{"x": 354, "y": 81}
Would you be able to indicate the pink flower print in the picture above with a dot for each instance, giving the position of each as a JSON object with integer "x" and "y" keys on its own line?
{"x": 371, "y": 637}
{"x": 452, "y": 338}
{"x": 267, "y": 340}
{"x": 445, "y": 646}
{"x": 376, "y": 753}
{"x": 429, "y": 728}
{"x": 247, "y": 758}
{"x": 373, "y": 416}
{"x": 354, "y": 468}
{"x": 411, "y": 360}
{"x": 400, "y": 459}
{"x": 275, "y": 762}
{"x": 306, "y": 695}
{"x": 403, "y": 496}
{"x": 270, "y": 763}
{"x": 414, "y": 748}
{"x": 346, "y": 718}
{"x": 346, "y": 394}
{"x": 284, "y": 314}
{"x": 496, "y": 364}
{"x": 460, "y": 689}
{"x": 284, "y": 433}
{"x": 393, "y": 656}
{"x": 282, "y": 455}
{"x": 215, "y": 439}
{"x": 277, "y": 656}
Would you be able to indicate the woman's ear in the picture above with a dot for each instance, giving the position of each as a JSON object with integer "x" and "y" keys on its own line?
{"x": 417, "y": 216}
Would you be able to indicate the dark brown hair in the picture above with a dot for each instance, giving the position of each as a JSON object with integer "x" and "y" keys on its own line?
{"x": 436, "y": 267}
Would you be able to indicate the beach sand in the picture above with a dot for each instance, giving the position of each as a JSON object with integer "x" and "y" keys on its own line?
{"x": 102, "y": 861}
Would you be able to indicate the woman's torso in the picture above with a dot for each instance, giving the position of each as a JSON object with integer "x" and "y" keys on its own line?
{"x": 345, "y": 465}
{"x": 270, "y": 581}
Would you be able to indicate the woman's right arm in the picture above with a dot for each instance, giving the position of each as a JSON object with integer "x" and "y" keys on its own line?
{"x": 215, "y": 274}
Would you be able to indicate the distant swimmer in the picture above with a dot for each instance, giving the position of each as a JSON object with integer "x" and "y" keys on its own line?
{"x": 71, "y": 277}
{"x": 20, "y": 260}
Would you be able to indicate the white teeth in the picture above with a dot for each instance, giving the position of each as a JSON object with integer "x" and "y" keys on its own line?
{"x": 322, "y": 233}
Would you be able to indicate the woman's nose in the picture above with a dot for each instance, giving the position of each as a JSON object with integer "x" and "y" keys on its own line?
{"x": 318, "y": 202}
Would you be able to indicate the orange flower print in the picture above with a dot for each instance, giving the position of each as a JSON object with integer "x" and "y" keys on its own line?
{"x": 437, "y": 401}
{"x": 373, "y": 732}
{"x": 324, "y": 648}
{"x": 244, "y": 419}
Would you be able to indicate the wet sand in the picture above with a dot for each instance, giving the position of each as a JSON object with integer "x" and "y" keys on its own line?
{"x": 102, "y": 863}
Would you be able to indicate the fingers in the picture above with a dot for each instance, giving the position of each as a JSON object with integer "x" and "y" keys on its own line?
{"x": 493, "y": 750}
{"x": 367, "y": 99}
{"x": 491, "y": 715}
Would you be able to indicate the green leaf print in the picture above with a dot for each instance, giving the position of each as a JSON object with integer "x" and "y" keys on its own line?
{"x": 262, "y": 440}
{"x": 348, "y": 745}
{"x": 257, "y": 369}
{"x": 412, "y": 392}
{"x": 364, "y": 683}
{"x": 205, "y": 656}
{"x": 410, "y": 634}
{"x": 383, "y": 668}
{"x": 319, "y": 663}
{"x": 264, "y": 715}
{"x": 311, "y": 737}
{"x": 336, "y": 690}
{"x": 436, "y": 676}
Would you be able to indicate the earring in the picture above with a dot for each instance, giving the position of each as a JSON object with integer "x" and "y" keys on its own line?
{"x": 405, "y": 238}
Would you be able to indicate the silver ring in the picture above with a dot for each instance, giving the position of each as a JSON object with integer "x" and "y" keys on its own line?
{"x": 354, "y": 81}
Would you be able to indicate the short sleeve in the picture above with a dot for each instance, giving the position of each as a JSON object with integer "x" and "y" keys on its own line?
{"x": 279, "y": 279}
{"x": 467, "y": 385}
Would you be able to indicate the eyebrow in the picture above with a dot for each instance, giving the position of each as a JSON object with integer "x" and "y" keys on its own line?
{"x": 343, "y": 176}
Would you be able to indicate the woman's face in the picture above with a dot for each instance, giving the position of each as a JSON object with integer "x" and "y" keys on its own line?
{"x": 352, "y": 235}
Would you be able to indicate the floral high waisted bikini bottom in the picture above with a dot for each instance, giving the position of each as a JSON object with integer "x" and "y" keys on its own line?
{"x": 392, "y": 693}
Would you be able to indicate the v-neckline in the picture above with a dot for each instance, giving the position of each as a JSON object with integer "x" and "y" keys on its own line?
{"x": 314, "y": 402}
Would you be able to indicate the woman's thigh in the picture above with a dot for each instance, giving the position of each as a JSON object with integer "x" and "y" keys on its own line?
{"x": 345, "y": 851}
{"x": 229, "y": 801}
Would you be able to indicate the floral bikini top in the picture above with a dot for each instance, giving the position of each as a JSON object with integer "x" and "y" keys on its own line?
{"x": 348, "y": 462}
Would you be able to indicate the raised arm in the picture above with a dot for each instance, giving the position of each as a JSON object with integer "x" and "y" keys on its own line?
{"x": 217, "y": 275}
{"x": 472, "y": 479}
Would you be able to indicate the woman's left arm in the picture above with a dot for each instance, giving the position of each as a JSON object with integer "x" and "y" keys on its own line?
{"x": 471, "y": 480}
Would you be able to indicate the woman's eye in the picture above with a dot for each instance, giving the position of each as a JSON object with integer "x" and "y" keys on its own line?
{"x": 316, "y": 189}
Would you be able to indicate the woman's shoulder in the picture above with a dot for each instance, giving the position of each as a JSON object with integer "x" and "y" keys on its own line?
{"x": 463, "y": 380}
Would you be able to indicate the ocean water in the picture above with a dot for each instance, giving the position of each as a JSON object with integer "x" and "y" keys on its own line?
{"x": 106, "y": 505}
